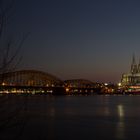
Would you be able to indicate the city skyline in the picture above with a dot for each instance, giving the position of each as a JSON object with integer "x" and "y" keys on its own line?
{"x": 93, "y": 40}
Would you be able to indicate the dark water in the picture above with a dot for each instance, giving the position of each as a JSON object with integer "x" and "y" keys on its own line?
{"x": 76, "y": 118}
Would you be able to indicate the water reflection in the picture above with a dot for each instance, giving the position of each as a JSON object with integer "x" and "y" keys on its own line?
{"x": 120, "y": 127}
{"x": 120, "y": 111}
{"x": 106, "y": 111}
{"x": 92, "y": 117}
{"x": 52, "y": 112}
{"x": 51, "y": 123}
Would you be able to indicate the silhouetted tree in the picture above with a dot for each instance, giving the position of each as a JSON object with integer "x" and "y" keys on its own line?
{"x": 9, "y": 51}
{"x": 9, "y": 59}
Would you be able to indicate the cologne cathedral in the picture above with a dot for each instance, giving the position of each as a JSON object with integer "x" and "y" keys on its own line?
{"x": 133, "y": 77}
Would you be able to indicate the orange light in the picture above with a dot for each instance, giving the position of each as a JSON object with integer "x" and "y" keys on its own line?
{"x": 67, "y": 89}
{"x": 3, "y": 84}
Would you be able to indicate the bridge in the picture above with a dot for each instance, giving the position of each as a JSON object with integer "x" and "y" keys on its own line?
{"x": 33, "y": 81}
{"x": 30, "y": 81}
{"x": 81, "y": 86}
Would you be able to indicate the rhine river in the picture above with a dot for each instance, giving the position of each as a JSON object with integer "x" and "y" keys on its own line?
{"x": 40, "y": 117}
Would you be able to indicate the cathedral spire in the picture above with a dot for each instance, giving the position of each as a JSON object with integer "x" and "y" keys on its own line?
{"x": 139, "y": 66}
{"x": 134, "y": 65}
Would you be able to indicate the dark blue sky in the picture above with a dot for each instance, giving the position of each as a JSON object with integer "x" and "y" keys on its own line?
{"x": 92, "y": 39}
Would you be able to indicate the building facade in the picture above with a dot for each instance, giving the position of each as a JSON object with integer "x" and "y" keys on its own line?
{"x": 133, "y": 77}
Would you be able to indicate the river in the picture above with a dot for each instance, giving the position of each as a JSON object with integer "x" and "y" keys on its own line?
{"x": 96, "y": 117}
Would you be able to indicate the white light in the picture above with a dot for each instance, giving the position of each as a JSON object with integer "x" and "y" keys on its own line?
{"x": 120, "y": 111}
{"x": 119, "y": 84}
{"x": 106, "y": 84}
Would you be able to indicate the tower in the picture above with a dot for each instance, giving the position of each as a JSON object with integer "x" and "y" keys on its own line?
{"x": 138, "y": 67}
{"x": 134, "y": 68}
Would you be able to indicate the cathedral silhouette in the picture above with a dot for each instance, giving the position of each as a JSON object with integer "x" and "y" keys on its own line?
{"x": 133, "y": 77}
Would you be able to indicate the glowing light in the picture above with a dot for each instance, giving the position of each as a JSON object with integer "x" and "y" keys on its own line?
{"x": 67, "y": 89}
{"x": 3, "y": 84}
{"x": 120, "y": 111}
{"x": 106, "y": 84}
{"x": 119, "y": 84}
{"x": 120, "y": 128}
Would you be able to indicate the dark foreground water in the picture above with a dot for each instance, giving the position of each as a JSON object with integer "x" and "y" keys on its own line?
{"x": 71, "y": 118}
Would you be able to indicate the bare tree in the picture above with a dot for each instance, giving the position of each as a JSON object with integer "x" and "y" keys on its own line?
{"x": 9, "y": 51}
{"x": 9, "y": 59}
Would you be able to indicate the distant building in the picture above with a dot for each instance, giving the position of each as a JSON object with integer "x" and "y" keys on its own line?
{"x": 133, "y": 77}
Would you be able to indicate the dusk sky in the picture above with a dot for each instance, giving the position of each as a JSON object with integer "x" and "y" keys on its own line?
{"x": 90, "y": 39}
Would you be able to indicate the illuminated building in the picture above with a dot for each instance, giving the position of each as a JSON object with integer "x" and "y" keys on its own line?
{"x": 133, "y": 77}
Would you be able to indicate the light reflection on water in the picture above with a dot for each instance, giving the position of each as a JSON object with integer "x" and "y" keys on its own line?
{"x": 90, "y": 117}
{"x": 120, "y": 128}
{"x": 95, "y": 117}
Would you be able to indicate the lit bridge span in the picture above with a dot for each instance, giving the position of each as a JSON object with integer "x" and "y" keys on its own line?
{"x": 31, "y": 80}
{"x": 81, "y": 86}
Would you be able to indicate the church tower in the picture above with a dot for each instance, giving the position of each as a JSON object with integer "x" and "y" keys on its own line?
{"x": 134, "y": 68}
{"x": 139, "y": 67}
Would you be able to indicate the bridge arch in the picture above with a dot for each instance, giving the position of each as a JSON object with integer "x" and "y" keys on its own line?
{"x": 79, "y": 83}
{"x": 30, "y": 78}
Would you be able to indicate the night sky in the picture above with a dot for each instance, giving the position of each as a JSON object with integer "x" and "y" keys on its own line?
{"x": 91, "y": 39}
